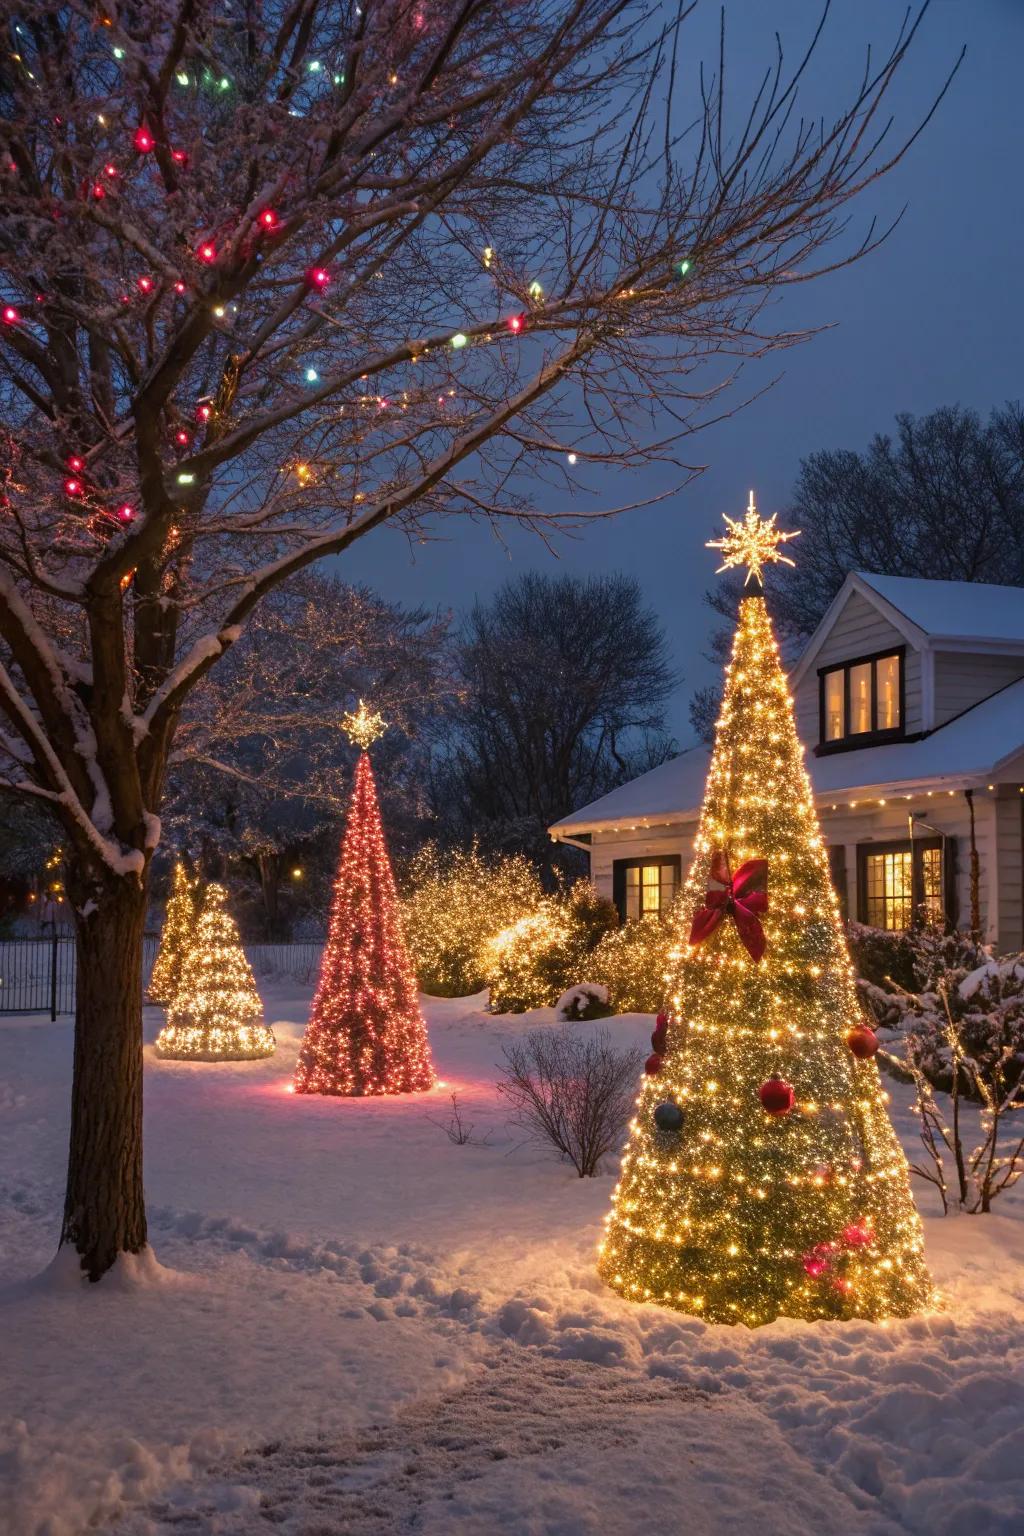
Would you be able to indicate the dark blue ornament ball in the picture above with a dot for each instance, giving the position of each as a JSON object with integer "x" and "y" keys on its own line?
{"x": 668, "y": 1117}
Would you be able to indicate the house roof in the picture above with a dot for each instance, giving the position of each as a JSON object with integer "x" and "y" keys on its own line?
{"x": 937, "y": 615}
{"x": 954, "y": 610}
{"x": 970, "y": 749}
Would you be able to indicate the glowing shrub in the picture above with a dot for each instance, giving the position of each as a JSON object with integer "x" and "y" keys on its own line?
{"x": 456, "y": 901}
{"x": 633, "y": 962}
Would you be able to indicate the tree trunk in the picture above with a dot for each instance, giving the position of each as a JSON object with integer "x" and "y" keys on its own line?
{"x": 270, "y": 878}
{"x": 104, "y": 1210}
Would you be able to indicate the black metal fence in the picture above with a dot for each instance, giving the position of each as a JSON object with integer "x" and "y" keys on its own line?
{"x": 38, "y": 975}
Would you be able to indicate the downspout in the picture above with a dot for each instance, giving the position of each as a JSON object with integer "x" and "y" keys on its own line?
{"x": 975, "y": 873}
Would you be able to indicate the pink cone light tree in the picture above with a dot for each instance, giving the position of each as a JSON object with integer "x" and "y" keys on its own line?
{"x": 366, "y": 1033}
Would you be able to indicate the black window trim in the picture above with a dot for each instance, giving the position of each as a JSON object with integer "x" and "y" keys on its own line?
{"x": 916, "y": 846}
{"x": 874, "y": 737}
{"x": 619, "y": 867}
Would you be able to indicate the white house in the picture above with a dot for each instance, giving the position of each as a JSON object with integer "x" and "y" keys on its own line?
{"x": 910, "y": 703}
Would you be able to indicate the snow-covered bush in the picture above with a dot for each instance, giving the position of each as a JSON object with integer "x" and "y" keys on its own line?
{"x": 571, "y": 1091}
{"x": 456, "y": 899}
{"x": 892, "y": 967}
{"x": 632, "y": 961}
{"x": 587, "y": 1000}
{"x": 530, "y": 963}
{"x": 967, "y": 1038}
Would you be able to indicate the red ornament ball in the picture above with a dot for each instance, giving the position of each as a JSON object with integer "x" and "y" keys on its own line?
{"x": 858, "y": 1235}
{"x": 776, "y": 1096}
{"x": 863, "y": 1042}
{"x": 652, "y": 1066}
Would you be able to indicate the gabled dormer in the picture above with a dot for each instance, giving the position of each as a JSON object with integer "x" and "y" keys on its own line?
{"x": 895, "y": 657}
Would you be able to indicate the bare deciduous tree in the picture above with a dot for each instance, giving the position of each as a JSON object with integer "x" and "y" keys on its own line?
{"x": 276, "y": 275}
{"x": 562, "y": 688}
{"x": 572, "y": 1091}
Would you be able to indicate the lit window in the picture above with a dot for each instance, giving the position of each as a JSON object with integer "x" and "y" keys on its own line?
{"x": 649, "y": 889}
{"x": 887, "y": 693}
{"x": 862, "y": 698}
{"x": 901, "y": 881}
{"x": 931, "y": 882}
{"x": 890, "y": 889}
{"x": 835, "y": 724}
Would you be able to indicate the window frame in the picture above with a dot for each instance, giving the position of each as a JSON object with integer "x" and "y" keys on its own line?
{"x": 917, "y": 847}
{"x": 874, "y": 737}
{"x": 673, "y": 861}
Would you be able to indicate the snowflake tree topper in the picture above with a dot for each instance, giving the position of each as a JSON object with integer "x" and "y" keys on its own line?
{"x": 754, "y": 542}
{"x": 362, "y": 726}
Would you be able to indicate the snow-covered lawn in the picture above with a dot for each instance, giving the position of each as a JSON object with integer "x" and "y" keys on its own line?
{"x": 358, "y": 1326}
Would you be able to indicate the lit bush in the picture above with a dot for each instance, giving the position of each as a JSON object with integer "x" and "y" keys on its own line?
{"x": 524, "y": 960}
{"x": 533, "y": 961}
{"x": 632, "y": 963}
{"x": 456, "y": 900}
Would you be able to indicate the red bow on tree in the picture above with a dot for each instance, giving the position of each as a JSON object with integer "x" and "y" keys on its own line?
{"x": 744, "y": 896}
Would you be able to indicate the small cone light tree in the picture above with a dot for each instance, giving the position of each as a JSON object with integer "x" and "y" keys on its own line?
{"x": 366, "y": 1033}
{"x": 763, "y": 1177}
{"x": 216, "y": 1013}
{"x": 178, "y": 936}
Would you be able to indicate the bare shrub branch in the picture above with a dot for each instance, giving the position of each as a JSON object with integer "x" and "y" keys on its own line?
{"x": 571, "y": 1091}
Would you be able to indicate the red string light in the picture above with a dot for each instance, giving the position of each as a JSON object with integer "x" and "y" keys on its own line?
{"x": 366, "y": 1033}
{"x": 125, "y": 513}
{"x": 10, "y": 314}
{"x": 73, "y": 487}
{"x": 145, "y": 285}
{"x": 268, "y": 219}
{"x": 318, "y": 277}
{"x": 207, "y": 252}
{"x": 76, "y": 463}
{"x": 515, "y": 324}
{"x": 143, "y": 141}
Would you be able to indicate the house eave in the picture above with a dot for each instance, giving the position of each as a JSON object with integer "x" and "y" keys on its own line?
{"x": 851, "y": 797}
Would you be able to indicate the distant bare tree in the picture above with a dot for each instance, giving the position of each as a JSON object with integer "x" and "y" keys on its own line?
{"x": 562, "y": 687}
{"x": 275, "y": 275}
{"x": 571, "y": 1090}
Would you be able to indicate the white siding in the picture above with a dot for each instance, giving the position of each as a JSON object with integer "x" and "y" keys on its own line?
{"x": 640, "y": 844}
{"x": 1009, "y": 814}
{"x": 997, "y": 829}
{"x": 961, "y": 681}
{"x": 859, "y": 630}
{"x": 888, "y": 823}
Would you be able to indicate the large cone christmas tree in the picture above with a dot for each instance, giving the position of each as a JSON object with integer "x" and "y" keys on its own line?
{"x": 366, "y": 1033}
{"x": 216, "y": 1013}
{"x": 176, "y": 939}
{"x": 762, "y": 1176}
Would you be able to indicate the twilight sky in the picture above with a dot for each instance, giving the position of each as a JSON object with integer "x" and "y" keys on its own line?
{"x": 935, "y": 317}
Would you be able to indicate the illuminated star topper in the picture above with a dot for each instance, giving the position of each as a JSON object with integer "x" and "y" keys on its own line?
{"x": 753, "y": 543}
{"x": 362, "y": 727}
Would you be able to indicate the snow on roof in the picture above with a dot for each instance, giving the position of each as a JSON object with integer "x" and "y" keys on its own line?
{"x": 967, "y": 749}
{"x": 954, "y": 610}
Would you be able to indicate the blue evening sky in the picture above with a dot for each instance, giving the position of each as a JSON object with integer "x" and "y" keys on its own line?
{"x": 934, "y": 317}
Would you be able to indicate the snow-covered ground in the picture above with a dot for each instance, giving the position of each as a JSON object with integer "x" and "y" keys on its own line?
{"x": 355, "y": 1325}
